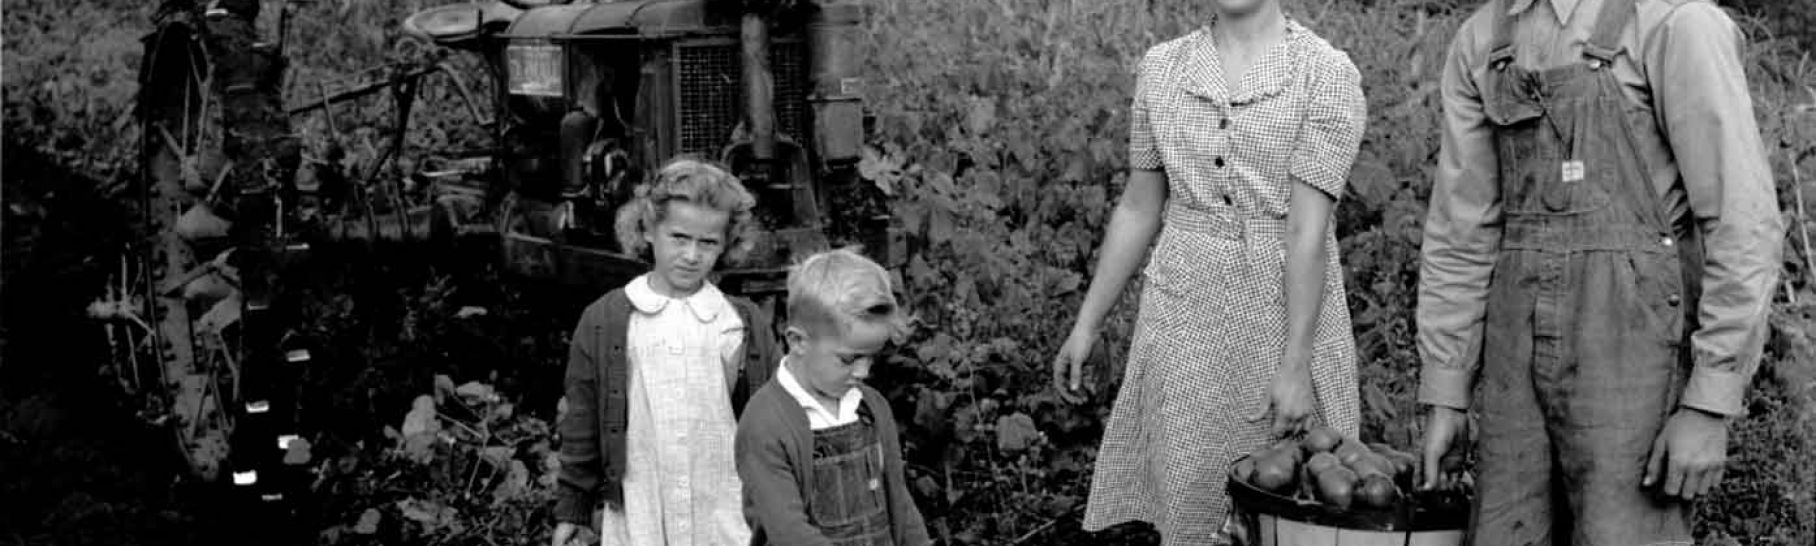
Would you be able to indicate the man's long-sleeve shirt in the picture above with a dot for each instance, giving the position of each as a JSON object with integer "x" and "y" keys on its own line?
{"x": 1683, "y": 74}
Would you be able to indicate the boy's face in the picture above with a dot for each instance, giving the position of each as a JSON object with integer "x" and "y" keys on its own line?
{"x": 829, "y": 364}
{"x": 686, "y": 243}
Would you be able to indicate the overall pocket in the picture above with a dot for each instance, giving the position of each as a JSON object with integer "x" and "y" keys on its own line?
{"x": 1658, "y": 290}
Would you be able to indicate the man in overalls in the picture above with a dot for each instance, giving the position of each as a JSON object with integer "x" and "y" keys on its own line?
{"x": 1599, "y": 258}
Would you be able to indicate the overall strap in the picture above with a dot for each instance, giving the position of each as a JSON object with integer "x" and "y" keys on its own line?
{"x": 1500, "y": 53}
{"x": 1601, "y": 50}
{"x": 1604, "y": 42}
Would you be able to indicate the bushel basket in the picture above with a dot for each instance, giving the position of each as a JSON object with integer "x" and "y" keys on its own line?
{"x": 1422, "y": 519}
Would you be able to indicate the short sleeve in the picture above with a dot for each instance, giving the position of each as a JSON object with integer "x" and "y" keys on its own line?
{"x": 1144, "y": 152}
{"x": 1335, "y": 118}
{"x": 730, "y": 340}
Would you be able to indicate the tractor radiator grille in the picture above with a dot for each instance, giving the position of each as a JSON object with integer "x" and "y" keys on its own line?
{"x": 711, "y": 84}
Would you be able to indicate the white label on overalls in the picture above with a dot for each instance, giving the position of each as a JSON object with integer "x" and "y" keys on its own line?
{"x": 1573, "y": 171}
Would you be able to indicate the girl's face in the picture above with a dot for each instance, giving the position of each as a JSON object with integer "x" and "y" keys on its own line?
{"x": 686, "y": 243}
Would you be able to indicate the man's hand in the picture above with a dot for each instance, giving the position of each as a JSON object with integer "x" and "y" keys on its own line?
{"x": 568, "y": 534}
{"x": 1689, "y": 454}
{"x": 1442, "y": 427}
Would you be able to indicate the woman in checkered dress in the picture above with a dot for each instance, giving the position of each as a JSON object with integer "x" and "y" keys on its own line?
{"x": 1243, "y": 332}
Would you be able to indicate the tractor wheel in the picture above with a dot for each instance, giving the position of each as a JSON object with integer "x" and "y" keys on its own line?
{"x": 190, "y": 298}
{"x": 195, "y": 333}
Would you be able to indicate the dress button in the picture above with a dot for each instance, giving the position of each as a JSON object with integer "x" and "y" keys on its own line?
{"x": 1667, "y": 242}
{"x": 1227, "y": 200}
{"x": 1673, "y": 300}
{"x": 1218, "y": 162}
{"x": 1223, "y": 123}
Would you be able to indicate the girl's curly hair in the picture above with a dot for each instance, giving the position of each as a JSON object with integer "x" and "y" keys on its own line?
{"x": 703, "y": 183}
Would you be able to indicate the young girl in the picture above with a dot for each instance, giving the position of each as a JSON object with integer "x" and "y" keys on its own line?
{"x": 818, "y": 451}
{"x": 656, "y": 373}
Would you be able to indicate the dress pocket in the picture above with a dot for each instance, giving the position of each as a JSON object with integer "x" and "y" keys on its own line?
{"x": 1163, "y": 271}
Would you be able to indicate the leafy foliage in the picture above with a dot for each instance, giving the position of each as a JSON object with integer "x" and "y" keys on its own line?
{"x": 1001, "y": 129}
{"x": 465, "y": 467}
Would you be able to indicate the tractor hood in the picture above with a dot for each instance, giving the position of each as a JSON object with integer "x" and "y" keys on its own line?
{"x": 643, "y": 18}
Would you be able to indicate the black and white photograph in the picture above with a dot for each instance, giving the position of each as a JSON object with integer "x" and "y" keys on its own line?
{"x": 908, "y": 272}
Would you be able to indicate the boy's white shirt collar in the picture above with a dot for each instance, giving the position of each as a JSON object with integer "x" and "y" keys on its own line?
{"x": 818, "y": 417}
{"x": 705, "y": 304}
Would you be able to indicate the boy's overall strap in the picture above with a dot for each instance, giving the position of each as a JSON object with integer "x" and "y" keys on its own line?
{"x": 1604, "y": 42}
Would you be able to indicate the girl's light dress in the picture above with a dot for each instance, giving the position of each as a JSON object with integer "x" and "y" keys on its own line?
{"x": 681, "y": 484}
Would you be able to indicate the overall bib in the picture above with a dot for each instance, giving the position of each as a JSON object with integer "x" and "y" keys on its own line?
{"x": 1582, "y": 355}
{"x": 849, "y": 502}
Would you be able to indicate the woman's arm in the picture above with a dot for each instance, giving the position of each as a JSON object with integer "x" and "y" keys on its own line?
{"x": 1327, "y": 147}
{"x": 1133, "y": 226}
{"x": 1308, "y": 216}
{"x": 1321, "y": 161}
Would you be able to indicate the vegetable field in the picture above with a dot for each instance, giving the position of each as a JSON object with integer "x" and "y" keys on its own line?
{"x": 1000, "y": 134}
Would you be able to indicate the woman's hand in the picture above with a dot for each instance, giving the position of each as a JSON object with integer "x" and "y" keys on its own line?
{"x": 1133, "y": 227}
{"x": 568, "y": 534}
{"x": 1289, "y": 396}
{"x": 1069, "y": 363}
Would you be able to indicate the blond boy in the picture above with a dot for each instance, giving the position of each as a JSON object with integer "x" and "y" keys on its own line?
{"x": 817, "y": 450}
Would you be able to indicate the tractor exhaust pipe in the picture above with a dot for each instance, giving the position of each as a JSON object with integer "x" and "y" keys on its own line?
{"x": 834, "y": 35}
{"x": 759, "y": 89}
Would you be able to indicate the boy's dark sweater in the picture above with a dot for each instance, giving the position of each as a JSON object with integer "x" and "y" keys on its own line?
{"x": 592, "y": 430}
{"x": 775, "y": 462}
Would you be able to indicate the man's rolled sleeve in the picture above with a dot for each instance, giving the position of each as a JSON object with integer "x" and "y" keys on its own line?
{"x": 1461, "y": 237}
{"x": 1695, "y": 67}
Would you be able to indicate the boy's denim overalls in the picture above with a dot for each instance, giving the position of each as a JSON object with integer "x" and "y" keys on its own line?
{"x": 849, "y": 502}
{"x": 1585, "y": 321}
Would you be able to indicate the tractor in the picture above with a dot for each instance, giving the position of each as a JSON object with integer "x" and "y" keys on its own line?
{"x": 588, "y": 98}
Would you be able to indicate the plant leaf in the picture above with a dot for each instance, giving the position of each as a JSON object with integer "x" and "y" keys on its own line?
{"x": 421, "y": 419}
{"x": 298, "y": 453}
{"x": 1015, "y": 432}
{"x": 368, "y": 521}
{"x": 476, "y": 392}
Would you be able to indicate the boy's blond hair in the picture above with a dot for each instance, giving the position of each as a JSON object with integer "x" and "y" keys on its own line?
{"x": 831, "y": 291}
{"x": 688, "y": 179}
